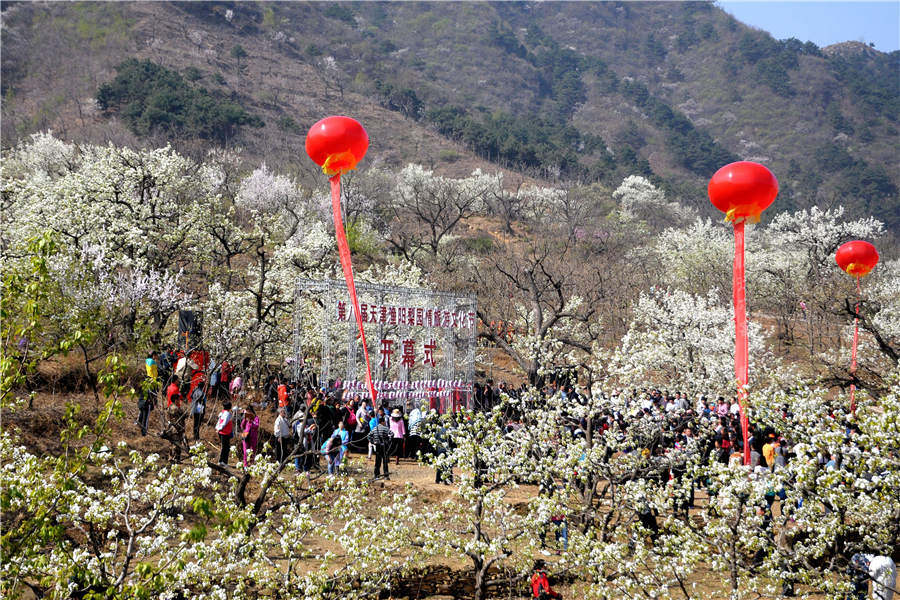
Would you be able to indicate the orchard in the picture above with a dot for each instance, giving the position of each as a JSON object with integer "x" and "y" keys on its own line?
{"x": 614, "y": 450}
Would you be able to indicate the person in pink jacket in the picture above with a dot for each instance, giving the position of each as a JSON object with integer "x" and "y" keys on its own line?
{"x": 398, "y": 431}
{"x": 249, "y": 434}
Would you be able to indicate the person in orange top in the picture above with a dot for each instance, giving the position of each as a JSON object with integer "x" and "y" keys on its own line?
{"x": 282, "y": 396}
{"x": 540, "y": 584}
{"x": 768, "y": 451}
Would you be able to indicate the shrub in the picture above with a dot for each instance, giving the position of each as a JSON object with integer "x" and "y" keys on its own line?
{"x": 287, "y": 123}
{"x": 151, "y": 98}
{"x": 193, "y": 74}
{"x": 341, "y": 13}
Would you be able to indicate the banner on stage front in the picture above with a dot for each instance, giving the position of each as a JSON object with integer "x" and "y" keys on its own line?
{"x": 422, "y": 341}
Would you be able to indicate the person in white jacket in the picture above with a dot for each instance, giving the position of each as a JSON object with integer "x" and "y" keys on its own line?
{"x": 282, "y": 435}
{"x": 881, "y": 570}
{"x": 416, "y": 419}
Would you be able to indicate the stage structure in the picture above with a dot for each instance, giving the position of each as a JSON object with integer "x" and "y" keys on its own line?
{"x": 422, "y": 342}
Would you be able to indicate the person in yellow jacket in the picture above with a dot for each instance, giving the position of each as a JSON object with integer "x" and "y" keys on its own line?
{"x": 152, "y": 366}
{"x": 768, "y": 451}
{"x": 148, "y": 392}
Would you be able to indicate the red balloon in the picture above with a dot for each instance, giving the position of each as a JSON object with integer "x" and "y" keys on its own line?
{"x": 857, "y": 258}
{"x": 337, "y": 144}
{"x": 742, "y": 190}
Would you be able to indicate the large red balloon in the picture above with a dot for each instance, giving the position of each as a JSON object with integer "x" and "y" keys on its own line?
{"x": 857, "y": 258}
{"x": 742, "y": 190}
{"x": 337, "y": 144}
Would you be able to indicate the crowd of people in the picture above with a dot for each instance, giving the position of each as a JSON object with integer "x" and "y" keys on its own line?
{"x": 313, "y": 424}
{"x": 310, "y": 423}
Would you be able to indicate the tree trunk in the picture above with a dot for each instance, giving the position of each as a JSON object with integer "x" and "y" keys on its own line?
{"x": 589, "y": 484}
{"x": 480, "y": 592}
{"x": 87, "y": 373}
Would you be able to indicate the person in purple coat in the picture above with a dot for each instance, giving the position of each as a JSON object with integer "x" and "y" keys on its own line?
{"x": 249, "y": 434}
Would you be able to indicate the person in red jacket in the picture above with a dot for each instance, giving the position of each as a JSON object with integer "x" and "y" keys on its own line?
{"x": 176, "y": 417}
{"x": 540, "y": 584}
{"x": 173, "y": 394}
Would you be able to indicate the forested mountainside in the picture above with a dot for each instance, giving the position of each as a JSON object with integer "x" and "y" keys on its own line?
{"x": 581, "y": 92}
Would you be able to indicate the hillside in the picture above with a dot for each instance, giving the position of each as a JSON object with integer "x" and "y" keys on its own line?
{"x": 577, "y": 91}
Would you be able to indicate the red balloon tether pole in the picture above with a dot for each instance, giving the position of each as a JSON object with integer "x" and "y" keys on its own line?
{"x": 347, "y": 266}
{"x": 853, "y": 349}
{"x": 741, "y": 343}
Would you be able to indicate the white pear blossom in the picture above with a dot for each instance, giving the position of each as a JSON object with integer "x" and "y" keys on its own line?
{"x": 640, "y": 199}
{"x": 686, "y": 341}
{"x": 265, "y": 191}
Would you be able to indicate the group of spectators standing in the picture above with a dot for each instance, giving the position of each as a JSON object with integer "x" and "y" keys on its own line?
{"x": 667, "y": 428}
{"x": 309, "y": 423}
{"x": 312, "y": 424}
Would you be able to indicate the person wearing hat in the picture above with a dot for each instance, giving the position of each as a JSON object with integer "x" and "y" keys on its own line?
{"x": 398, "y": 433}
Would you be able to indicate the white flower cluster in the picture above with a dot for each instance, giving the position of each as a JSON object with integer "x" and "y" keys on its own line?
{"x": 640, "y": 199}
{"x": 265, "y": 191}
{"x": 117, "y": 521}
{"x": 686, "y": 342}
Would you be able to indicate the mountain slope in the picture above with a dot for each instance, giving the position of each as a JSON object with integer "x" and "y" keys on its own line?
{"x": 583, "y": 91}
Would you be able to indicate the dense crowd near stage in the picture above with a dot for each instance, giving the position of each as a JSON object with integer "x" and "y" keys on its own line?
{"x": 318, "y": 424}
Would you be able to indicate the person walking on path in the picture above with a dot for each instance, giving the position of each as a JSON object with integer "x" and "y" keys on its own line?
{"x": 305, "y": 457}
{"x": 145, "y": 405}
{"x": 398, "y": 430}
{"x": 176, "y": 416}
{"x": 414, "y": 441}
{"x": 148, "y": 392}
{"x": 332, "y": 451}
{"x": 344, "y": 436}
{"x": 198, "y": 408}
{"x": 374, "y": 420}
{"x": 282, "y": 435}
{"x": 173, "y": 394}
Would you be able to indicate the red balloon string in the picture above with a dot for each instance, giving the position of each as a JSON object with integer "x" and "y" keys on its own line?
{"x": 853, "y": 349}
{"x": 347, "y": 266}
{"x": 741, "y": 344}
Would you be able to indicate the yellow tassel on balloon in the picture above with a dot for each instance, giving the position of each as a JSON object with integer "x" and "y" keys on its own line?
{"x": 751, "y": 218}
{"x": 339, "y": 163}
{"x": 858, "y": 269}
